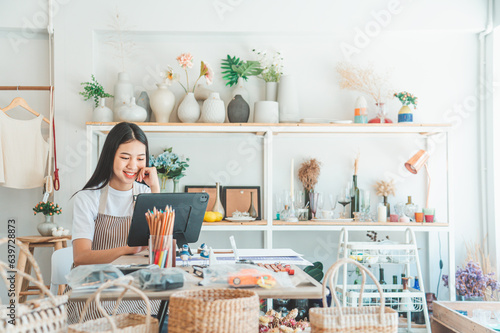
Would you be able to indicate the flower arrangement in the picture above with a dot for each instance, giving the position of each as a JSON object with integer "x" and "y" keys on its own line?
{"x": 93, "y": 90}
{"x": 47, "y": 208}
{"x": 407, "y": 99}
{"x": 272, "y": 66}
{"x": 169, "y": 165}
{"x": 472, "y": 282}
{"x": 185, "y": 60}
{"x": 384, "y": 188}
{"x": 309, "y": 173}
{"x": 234, "y": 68}
{"x": 365, "y": 80}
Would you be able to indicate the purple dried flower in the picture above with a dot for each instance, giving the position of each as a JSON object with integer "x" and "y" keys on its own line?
{"x": 471, "y": 281}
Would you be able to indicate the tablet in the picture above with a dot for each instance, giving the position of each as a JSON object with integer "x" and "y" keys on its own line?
{"x": 189, "y": 213}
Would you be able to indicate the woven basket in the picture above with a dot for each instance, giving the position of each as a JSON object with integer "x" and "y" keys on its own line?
{"x": 366, "y": 319}
{"x": 122, "y": 323}
{"x": 214, "y": 311}
{"x": 39, "y": 315}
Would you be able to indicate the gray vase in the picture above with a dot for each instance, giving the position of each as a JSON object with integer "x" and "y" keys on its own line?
{"x": 143, "y": 101}
{"x": 45, "y": 227}
{"x": 238, "y": 110}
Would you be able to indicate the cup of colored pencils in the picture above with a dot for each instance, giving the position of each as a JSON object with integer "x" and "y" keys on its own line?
{"x": 161, "y": 228}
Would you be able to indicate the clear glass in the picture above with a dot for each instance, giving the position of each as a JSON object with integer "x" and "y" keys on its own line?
{"x": 364, "y": 205}
{"x": 333, "y": 201}
{"x": 299, "y": 199}
{"x": 278, "y": 205}
{"x": 316, "y": 202}
{"x": 344, "y": 198}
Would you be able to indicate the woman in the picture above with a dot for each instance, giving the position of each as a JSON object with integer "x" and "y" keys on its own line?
{"x": 103, "y": 208}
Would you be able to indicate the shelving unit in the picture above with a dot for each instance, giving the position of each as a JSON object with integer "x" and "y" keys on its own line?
{"x": 381, "y": 253}
{"x": 96, "y": 133}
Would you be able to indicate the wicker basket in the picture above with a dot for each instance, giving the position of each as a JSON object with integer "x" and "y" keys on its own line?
{"x": 214, "y": 311}
{"x": 39, "y": 315}
{"x": 122, "y": 323}
{"x": 366, "y": 319}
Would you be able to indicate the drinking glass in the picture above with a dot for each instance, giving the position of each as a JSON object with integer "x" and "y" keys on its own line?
{"x": 344, "y": 198}
{"x": 315, "y": 201}
{"x": 299, "y": 199}
{"x": 333, "y": 201}
{"x": 365, "y": 205}
{"x": 278, "y": 204}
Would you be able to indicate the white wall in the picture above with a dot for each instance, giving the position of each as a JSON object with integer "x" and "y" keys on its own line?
{"x": 429, "y": 47}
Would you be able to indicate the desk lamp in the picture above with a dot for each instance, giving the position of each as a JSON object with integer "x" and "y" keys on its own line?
{"x": 415, "y": 163}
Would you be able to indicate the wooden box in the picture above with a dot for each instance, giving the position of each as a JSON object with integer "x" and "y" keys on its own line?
{"x": 447, "y": 319}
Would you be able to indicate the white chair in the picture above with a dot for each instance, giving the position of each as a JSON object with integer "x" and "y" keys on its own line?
{"x": 62, "y": 260}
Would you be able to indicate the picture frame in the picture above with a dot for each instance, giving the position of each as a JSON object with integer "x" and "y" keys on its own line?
{"x": 210, "y": 189}
{"x": 238, "y": 198}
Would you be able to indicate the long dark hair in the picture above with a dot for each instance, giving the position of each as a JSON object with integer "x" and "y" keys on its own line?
{"x": 121, "y": 133}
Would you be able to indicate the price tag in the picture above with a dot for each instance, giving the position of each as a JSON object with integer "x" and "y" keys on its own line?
{"x": 45, "y": 196}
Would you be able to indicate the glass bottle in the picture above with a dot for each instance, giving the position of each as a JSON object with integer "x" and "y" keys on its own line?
{"x": 218, "y": 204}
{"x": 410, "y": 209}
{"x": 354, "y": 196}
{"x": 395, "y": 282}
{"x": 416, "y": 285}
{"x": 284, "y": 213}
{"x": 388, "y": 206}
{"x": 381, "y": 279}
{"x": 251, "y": 211}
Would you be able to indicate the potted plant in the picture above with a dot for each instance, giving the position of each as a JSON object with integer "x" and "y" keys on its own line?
{"x": 272, "y": 70}
{"x": 169, "y": 165}
{"x": 405, "y": 114}
{"x": 94, "y": 90}
{"x": 49, "y": 209}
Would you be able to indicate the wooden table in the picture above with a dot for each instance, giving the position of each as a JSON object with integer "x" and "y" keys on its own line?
{"x": 23, "y": 289}
{"x": 446, "y": 319}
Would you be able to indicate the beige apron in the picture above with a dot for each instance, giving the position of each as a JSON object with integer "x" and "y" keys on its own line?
{"x": 110, "y": 232}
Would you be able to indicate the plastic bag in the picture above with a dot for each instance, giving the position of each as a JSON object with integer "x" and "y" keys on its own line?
{"x": 240, "y": 275}
{"x": 92, "y": 276}
{"x": 156, "y": 278}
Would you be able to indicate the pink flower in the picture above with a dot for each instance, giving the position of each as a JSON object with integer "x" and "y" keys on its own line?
{"x": 185, "y": 60}
{"x": 209, "y": 75}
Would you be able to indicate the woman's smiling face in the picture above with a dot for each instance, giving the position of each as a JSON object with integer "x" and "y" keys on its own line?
{"x": 130, "y": 157}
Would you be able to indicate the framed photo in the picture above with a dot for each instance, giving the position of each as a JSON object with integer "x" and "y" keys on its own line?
{"x": 210, "y": 189}
{"x": 238, "y": 198}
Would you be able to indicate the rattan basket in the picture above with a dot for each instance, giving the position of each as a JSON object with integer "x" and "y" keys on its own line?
{"x": 122, "y": 323}
{"x": 39, "y": 315}
{"x": 366, "y": 319}
{"x": 214, "y": 311}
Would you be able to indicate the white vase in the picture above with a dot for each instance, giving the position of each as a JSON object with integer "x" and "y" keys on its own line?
{"x": 271, "y": 91}
{"x": 162, "y": 102}
{"x": 189, "y": 109}
{"x": 287, "y": 99}
{"x": 213, "y": 110}
{"x": 124, "y": 91}
{"x": 131, "y": 112}
{"x": 201, "y": 92}
{"x": 102, "y": 114}
{"x": 45, "y": 227}
{"x": 266, "y": 112}
{"x": 240, "y": 90}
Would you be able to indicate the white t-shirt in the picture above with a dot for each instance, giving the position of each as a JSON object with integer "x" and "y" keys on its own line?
{"x": 86, "y": 207}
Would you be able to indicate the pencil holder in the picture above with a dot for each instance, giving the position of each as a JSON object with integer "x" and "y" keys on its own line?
{"x": 160, "y": 250}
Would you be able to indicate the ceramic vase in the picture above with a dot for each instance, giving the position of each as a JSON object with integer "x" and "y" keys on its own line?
{"x": 288, "y": 101}
{"x": 123, "y": 92}
{"x": 405, "y": 115}
{"x": 102, "y": 113}
{"x": 240, "y": 90}
{"x": 266, "y": 112}
{"x": 381, "y": 115}
{"x": 238, "y": 110}
{"x": 218, "y": 204}
{"x": 45, "y": 228}
{"x": 360, "y": 116}
{"x": 162, "y": 102}
{"x": 189, "y": 109}
{"x": 271, "y": 91}
{"x": 201, "y": 92}
{"x": 131, "y": 112}
{"x": 251, "y": 210}
{"x": 213, "y": 110}
{"x": 143, "y": 102}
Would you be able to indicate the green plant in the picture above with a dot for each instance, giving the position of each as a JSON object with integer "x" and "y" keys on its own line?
{"x": 234, "y": 68}
{"x": 93, "y": 90}
{"x": 315, "y": 271}
{"x": 407, "y": 99}
{"x": 47, "y": 208}
{"x": 272, "y": 65}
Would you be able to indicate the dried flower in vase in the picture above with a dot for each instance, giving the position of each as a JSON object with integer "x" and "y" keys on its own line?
{"x": 365, "y": 80}
{"x": 384, "y": 188}
{"x": 309, "y": 173}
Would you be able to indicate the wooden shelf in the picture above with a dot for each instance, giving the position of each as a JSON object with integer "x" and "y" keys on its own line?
{"x": 349, "y": 224}
{"x": 228, "y": 223}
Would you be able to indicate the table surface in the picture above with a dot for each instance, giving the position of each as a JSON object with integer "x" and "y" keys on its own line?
{"x": 306, "y": 286}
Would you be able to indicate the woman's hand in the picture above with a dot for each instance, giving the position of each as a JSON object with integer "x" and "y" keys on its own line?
{"x": 135, "y": 249}
{"x": 150, "y": 177}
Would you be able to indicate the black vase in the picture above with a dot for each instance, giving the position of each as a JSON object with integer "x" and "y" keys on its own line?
{"x": 238, "y": 110}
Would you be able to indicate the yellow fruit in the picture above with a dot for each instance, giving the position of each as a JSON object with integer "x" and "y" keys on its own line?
{"x": 219, "y": 216}
{"x": 210, "y": 217}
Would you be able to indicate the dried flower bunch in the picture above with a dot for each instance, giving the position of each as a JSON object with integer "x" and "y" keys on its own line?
{"x": 309, "y": 173}
{"x": 407, "y": 99}
{"x": 373, "y": 236}
{"x": 384, "y": 188}
{"x": 273, "y": 322}
{"x": 365, "y": 80}
{"x": 472, "y": 282}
